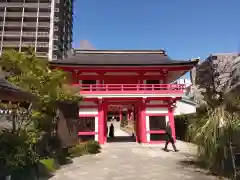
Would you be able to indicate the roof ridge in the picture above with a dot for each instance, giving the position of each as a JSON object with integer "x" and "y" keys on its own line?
{"x": 161, "y": 51}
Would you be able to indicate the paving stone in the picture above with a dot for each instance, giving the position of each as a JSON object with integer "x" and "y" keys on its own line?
{"x": 128, "y": 161}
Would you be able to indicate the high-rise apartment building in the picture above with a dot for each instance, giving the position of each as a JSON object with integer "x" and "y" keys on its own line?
{"x": 45, "y": 25}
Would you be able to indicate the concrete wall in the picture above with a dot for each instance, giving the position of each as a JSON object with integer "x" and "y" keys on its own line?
{"x": 184, "y": 108}
{"x": 216, "y": 69}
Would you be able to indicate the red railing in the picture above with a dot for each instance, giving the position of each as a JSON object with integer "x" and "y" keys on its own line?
{"x": 125, "y": 88}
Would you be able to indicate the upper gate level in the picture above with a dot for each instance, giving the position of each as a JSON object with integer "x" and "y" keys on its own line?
{"x": 131, "y": 90}
{"x": 125, "y": 73}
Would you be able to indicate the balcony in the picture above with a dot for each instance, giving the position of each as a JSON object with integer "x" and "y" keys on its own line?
{"x": 28, "y": 5}
{"x": 12, "y": 33}
{"x": 131, "y": 90}
{"x": 33, "y": 24}
{"x": 14, "y": 14}
{"x": 11, "y": 24}
{"x": 11, "y": 44}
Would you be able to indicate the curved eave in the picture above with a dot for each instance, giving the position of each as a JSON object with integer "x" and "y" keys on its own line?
{"x": 185, "y": 100}
{"x": 66, "y": 63}
{"x": 9, "y": 92}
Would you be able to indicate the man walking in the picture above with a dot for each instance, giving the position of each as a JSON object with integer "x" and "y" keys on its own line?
{"x": 169, "y": 138}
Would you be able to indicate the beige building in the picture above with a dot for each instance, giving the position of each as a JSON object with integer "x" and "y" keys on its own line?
{"x": 234, "y": 83}
{"x": 214, "y": 72}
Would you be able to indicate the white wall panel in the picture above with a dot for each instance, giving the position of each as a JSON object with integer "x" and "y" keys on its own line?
{"x": 147, "y": 128}
{"x": 156, "y": 102}
{"x": 96, "y": 124}
{"x": 87, "y": 103}
{"x": 157, "y": 110}
{"x": 184, "y": 108}
{"x": 88, "y": 111}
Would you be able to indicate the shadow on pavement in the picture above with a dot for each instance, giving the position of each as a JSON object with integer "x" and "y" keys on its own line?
{"x": 121, "y": 139}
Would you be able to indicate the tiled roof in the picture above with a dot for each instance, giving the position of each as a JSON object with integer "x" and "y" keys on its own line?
{"x": 16, "y": 93}
{"x": 121, "y": 57}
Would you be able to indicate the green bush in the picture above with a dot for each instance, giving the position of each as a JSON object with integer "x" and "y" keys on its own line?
{"x": 77, "y": 150}
{"x": 28, "y": 173}
{"x": 90, "y": 147}
{"x": 16, "y": 152}
{"x": 47, "y": 166}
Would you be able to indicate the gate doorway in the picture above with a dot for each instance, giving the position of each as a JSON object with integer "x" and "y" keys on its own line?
{"x": 123, "y": 123}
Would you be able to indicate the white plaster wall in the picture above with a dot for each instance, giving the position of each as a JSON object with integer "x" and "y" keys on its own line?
{"x": 88, "y": 111}
{"x": 87, "y": 103}
{"x": 156, "y": 110}
{"x": 96, "y": 128}
{"x": 184, "y": 108}
{"x": 166, "y": 119}
{"x": 156, "y": 102}
{"x": 147, "y": 128}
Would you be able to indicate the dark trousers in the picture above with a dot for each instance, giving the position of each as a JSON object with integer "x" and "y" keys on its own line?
{"x": 170, "y": 140}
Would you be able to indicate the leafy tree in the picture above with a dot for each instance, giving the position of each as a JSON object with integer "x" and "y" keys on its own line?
{"x": 218, "y": 123}
{"x": 50, "y": 86}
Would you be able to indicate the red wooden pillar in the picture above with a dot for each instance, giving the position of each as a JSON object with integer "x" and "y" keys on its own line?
{"x": 75, "y": 77}
{"x": 120, "y": 115}
{"x": 172, "y": 123}
{"x": 101, "y": 122}
{"x": 129, "y": 114}
{"x": 105, "y": 122}
{"x": 142, "y": 123}
{"x": 136, "y": 123}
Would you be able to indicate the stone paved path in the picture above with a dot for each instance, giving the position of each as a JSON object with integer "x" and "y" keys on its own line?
{"x": 129, "y": 161}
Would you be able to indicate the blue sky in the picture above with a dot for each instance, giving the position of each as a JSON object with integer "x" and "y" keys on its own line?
{"x": 184, "y": 28}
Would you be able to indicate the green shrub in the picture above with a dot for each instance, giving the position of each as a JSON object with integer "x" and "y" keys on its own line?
{"x": 90, "y": 147}
{"x": 28, "y": 173}
{"x": 16, "y": 152}
{"x": 48, "y": 166}
{"x": 77, "y": 150}
{"x": 63, "y": 157}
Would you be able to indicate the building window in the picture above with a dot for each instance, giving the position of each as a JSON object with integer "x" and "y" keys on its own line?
{"x": 214, "y": 57}
{"x": 89, "y": 85}
{"x": 214, "y": 66}
{"x": 216, "y": 74}
{"x": 86, "y": 124}
{"x": 152, "y": 82}
{"x": 89, "y": 82}
{"x": 157, "y": 123}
